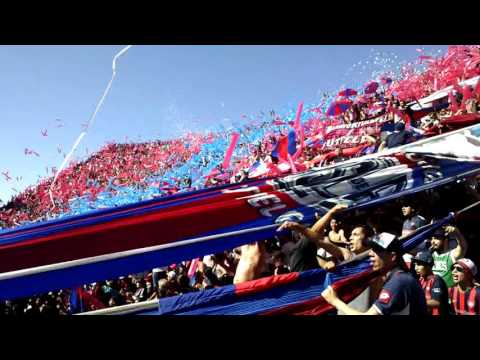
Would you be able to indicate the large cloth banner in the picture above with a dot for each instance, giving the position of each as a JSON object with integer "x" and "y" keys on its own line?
{"x": 346, "y": 141}
{"x": 103, "y": 244}
{"x": 289, "y": 294}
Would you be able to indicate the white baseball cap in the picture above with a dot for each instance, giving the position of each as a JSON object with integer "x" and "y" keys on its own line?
{"x": 468, "y": 265}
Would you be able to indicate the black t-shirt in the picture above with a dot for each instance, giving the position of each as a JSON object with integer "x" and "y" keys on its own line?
{"x": 435, "y": 288}
{"x": 401, "y": 295}
{"x": 303, "y": 256}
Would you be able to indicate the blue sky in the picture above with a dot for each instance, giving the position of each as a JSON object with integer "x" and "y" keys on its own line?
{"x": 159, "y": 91}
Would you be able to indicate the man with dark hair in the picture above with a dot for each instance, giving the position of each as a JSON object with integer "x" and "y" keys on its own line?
{"x": 436, "y": 291}
{"x": 304, "y": 254}
{"x": 465, "y": 295}
{"x": 401, "y": 293}
{"x": 279, "y": 263}
{"x": 358, "y": 241}
{"x": 413, "y": 220}
{"x": 443, "y": 257}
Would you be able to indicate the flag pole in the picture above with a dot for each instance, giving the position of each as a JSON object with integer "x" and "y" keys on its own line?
{"x": 467, "y": 208}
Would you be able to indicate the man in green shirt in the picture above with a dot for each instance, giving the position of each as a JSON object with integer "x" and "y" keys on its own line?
{"x": 443, "y": 257}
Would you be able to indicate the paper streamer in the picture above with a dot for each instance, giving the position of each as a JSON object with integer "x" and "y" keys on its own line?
{"x": 299, "y": 114}
{"x": 90, "y": 121}
{"x": 231, "y": 148}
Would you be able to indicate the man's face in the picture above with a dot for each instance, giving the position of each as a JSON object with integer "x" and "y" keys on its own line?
{"x": 381, "y": 260}
{"x": 437, "y": 244}
{"x": 407, "y": 211}
{"x": 356, "y": 240}
{"x": 421, "y": 270}
{"x": 333, "y": 224}
{"x": 458, "y": 274}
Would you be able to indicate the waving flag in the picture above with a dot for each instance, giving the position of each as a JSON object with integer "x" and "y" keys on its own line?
{"x": 347, "y": 92}
{"x": 338, "y": 107}
{"x": 371, "y": 87}
{"x": 285, "y": 145}
{"x": 259, "y": 168}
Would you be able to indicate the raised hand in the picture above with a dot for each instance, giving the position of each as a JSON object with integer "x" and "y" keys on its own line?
{"x": 450, "y": 230}
{"x": 291, "y": 225}
{"x": 339, "y": 207}
{"x": 329, "y": 295}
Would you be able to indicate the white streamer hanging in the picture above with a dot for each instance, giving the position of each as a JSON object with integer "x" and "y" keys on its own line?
{"x": 90, "y": 121}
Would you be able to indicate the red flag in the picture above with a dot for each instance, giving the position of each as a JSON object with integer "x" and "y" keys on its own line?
{"x": 281, "y": 148}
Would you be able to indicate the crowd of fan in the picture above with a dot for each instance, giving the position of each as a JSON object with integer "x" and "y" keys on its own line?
{"x": 215, "y": 270}
{"x": 126, "y": 164}
{"x": 119, "y": 165}
{"x": 275, "y": 255}
{"x": 130, "y": 164}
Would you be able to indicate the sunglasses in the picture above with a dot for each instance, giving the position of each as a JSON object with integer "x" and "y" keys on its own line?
{"x": 458, "y": 268}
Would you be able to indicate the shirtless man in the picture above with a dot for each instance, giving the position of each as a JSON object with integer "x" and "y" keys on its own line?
{"x": 252, "y": 262}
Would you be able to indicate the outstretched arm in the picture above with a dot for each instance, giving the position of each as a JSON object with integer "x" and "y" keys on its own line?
{"x": 336, "y": 251}
{"x": 315, "y": 233}
{"x": 322, "y": 223}
{"x": 461, "y": 248}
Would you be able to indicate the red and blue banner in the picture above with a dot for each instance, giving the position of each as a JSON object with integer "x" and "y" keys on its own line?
{"x": 289, "y": 294}
{"x": 286, "y": 145}
{"x": 103, "y": 244}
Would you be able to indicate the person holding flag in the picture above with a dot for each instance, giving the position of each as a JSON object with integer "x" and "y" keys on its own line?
{"x": 357, "y": 244}
{"x": 443, "y": 257}
{"x": 401, "y": 293}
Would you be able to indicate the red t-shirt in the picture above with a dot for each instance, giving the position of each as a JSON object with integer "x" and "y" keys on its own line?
{"x": 465, "y": 303}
